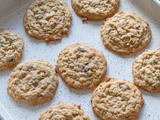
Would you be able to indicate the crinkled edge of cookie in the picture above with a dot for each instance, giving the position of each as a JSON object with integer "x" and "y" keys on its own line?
{"x": 19, "y": 58}
{"x": 34, "y": 103}
{"x": 110, "y": 79}
{"x": 124, "y": 52}
{"x": 94, "y": 17}
{"x": 135, "y": 81}
{"x": 40, "y": 38}
{"x": 93, "y": 83}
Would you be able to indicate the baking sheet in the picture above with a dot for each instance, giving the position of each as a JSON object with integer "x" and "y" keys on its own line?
{"x": 157, "y": 2}
{"x": 4, "y": 115}
{"x": 11, "y": 17}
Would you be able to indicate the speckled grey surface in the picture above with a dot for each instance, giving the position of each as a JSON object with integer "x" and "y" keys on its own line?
{"x": 4, "y": 115}
{"x": 88, "y": 33}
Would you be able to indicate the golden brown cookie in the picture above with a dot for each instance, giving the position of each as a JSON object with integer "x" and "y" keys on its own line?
{"x": 95, "y": 9}
{"x": 47, "y": 19}
{"x": 11, "y": 49}
{"x": 81, "y": 66}
{"x": 125, "y": 33}
{"x": 117, "y": 99}
{"x": 33, "y": 82}
{"x": 64, "y": 111}
{"x": 146, "y": 71}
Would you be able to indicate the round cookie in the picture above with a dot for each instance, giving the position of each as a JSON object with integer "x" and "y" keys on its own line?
{"x": 95, "y": 9}
{"x": 11, "y": 49}
{"x": 81, "y": 66}
{"x": 47, "y": 19}
{"x": 125, "y": 33}
{"x": 117, "y": 100}
{"x": 146, "y": 71}
{"x": 64, "y": 111}
{"x": 33, "y": 82}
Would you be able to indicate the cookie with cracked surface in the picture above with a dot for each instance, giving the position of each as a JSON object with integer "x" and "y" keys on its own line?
{"x": 146, "y": 71}
{"x": 64, "y": 111}
{"x": 11, "y": 49}
{"x": 33, "y": 82}
{"x": 95, "y": 9}
{"x": 47, "y": 19}
{"x": 81, "y": 66}
{"x": 117, "y": 99}
{"x": 125, "y": 33}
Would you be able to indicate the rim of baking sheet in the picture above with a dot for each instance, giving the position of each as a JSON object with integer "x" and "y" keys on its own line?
{"x": 4, "y": 115}
{"x": 157, "y": 2}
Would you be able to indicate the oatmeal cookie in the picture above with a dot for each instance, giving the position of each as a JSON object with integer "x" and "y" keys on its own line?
{"x": 125, "y": 33}
{"x": 146, "y": 71}
{"x": 95, "y": 9}
{"x": 33, "y": 82}
{"x": 117, "y": 100}
{"x": 81, "y": 66}
{"x": 11, "y": 49}
{"x": 64, "y": 111}
{"x": 47, "y": 19}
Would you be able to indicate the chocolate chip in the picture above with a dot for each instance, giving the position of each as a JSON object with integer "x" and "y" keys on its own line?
{"x": 85, "y": 69}
{"x": 81, "y": 49}
{"x": 110, "y": 30}
{"x": 10, "y": 59}
{"x": 123, "y": 87}
{"x": 27, "y": 25}
{"x": 50, "y": 111}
